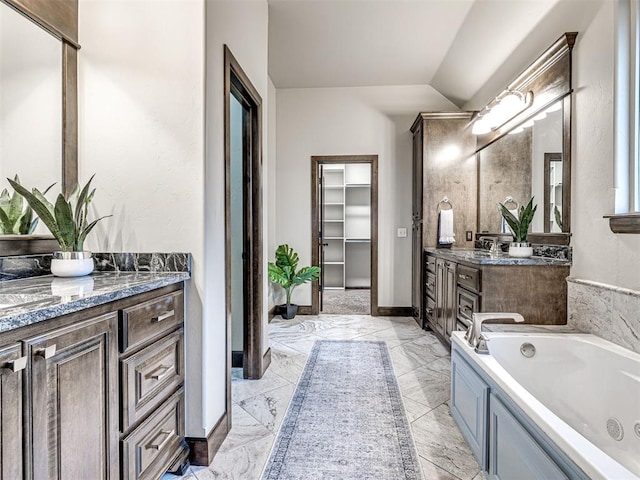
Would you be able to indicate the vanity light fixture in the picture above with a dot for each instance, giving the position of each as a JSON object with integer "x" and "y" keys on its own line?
{"x": 505, "y": 108}
{"x": 554, "y": 108}
{"x": 519, "y": 129}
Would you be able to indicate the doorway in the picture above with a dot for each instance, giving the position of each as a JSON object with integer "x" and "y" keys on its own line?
{"x": 243, "y": 223}
{"x": 344, "y": 193}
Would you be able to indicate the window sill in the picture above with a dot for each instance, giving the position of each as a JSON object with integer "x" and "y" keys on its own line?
{"x": 624, "y": 223}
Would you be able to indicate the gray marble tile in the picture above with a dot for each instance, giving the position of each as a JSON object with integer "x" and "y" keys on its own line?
{"x": 408, "y": 356}
{"x": 435, "y": 346}
{"x": 433, "y": 472}
{"x": 270, "y": 407}
{"x": 480, "y": 476}
{"x": 243, "y": 463}
{"x": 441, "y": 365}
{"x": 439, "y": 441}
{"x": 425, "y": 386}
{"x": 287, "y": 362}
{"x": 243, "y": 389}
{"x": 244, "y": 429}
{"x": 413, "y": 409}
{"x": 398, "y": 334}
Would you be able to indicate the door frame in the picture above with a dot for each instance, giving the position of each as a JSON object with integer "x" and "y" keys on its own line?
{"x": 237, "y": 83}
{"x": 316, "y": 161}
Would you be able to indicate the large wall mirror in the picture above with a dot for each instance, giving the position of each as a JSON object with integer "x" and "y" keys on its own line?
{"x": 38, "y": 101}
{"x": 529, "y": 155}
{"x": 526, "y": 162}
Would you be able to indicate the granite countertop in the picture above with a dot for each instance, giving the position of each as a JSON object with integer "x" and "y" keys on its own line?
{"x": 31, "y": 300}
{"x": 483, "y": 257}
{"x": 527, "y": 328}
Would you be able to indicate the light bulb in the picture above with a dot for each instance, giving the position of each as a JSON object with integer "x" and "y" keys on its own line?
{"x": 540, "y": 116}
{"x": 480, "y": 127}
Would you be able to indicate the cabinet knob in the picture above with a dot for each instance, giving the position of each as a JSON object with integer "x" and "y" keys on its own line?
{"x": 47, "y": 352}
{"x": 464, "y": 277}
{"x": 165, "y": 435}
{"x": 16, "y": 365}
{"x": 165, "y": 315}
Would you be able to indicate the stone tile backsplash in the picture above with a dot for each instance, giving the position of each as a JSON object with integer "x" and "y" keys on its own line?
{"x": 612, "y": 313}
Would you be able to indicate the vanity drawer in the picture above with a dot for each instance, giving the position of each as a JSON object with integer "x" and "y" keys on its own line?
{"x": 148, "y": 451}
{"x": 430, "y": 264}
{"x": 150, "y": 376}
{"x": 430, "y": 309}
{"x": 430, "y": 284}
{"x": 469, "y": 277}
{"x": 149, "y": 320}
{"x": 468, "y": 303}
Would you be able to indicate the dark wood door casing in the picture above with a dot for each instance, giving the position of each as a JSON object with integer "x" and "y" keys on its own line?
{"x": 316, "y": 161}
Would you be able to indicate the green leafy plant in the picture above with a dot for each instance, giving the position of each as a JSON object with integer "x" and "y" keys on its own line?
{"x": 558, "y": 216}
{"x": 283, "y": 271}
{"x": 519, "y": 226}
{"x": 67, "y": 218}
{"x": 14, "y": 218}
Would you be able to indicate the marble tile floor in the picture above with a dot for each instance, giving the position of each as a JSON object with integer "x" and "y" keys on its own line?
{"x": 422, "y": 367}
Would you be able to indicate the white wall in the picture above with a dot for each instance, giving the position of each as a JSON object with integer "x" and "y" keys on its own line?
{"x": 243, "y": 27}
{"x": 271, "y": 189}
{"x": 141, "y": 95}
{"x": 352, "y": 121}
{"x": 599, "y": 255}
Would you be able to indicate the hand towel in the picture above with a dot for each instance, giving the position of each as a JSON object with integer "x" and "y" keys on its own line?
{"x": 447, "y": 236}
{"x": 505, "y": 226}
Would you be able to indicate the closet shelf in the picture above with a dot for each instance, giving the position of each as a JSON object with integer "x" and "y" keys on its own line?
{"x": 357, "y": 240}
{"x": 357, "y": 185}
{"x": 333, "y": 221}
{"x": 334, "y": 263}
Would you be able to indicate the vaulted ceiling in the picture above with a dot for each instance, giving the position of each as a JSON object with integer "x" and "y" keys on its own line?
{"x": 459, "y": 47}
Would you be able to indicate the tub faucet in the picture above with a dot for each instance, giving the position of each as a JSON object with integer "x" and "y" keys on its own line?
{"x": 474, "y": 333}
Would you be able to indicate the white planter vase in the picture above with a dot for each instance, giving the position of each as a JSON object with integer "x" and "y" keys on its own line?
{"x": 520, "y": 249}
{"x": 71, "y": 264}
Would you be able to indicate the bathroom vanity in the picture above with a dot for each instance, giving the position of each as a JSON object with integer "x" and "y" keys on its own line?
{"x": 459, "y": 282}
{"x": 92, "y": 376}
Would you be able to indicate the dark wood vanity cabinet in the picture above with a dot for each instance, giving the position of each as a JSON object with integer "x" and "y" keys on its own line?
{"x": 12, "y": 365}
{"x": 96, "y": 394}
{"x": 456, "y": 290}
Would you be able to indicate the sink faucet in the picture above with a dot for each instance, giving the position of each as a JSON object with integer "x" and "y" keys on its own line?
{"x": 474, "y": 333}
{"x": 494, "y": 246}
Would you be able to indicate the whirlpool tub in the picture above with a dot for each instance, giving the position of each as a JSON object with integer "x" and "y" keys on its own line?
{"x": 576, "y": 395}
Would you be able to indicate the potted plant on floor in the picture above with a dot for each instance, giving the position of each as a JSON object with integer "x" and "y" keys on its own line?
{"x": 67, "y": 221}
{"x": 519, "y": 228}
{"x": 283, "y": 272}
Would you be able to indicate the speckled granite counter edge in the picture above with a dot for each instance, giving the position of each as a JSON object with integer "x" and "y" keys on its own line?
{"x": 527, "y": 328}
{"x": 39, "y": 314}
{"x": 502, "y": 259}
{"x": 591, "y": 283}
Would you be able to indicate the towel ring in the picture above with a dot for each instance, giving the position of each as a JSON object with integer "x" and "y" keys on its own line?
{"x": 444, "y": 204}
{"x": 510, "y": 203}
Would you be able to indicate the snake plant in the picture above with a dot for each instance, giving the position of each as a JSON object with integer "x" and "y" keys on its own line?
{"x": 519, "y": 226}
{"x": 15, "y": 219}
{"x": 283, "y": 271}
{"x": 67, "y": 218}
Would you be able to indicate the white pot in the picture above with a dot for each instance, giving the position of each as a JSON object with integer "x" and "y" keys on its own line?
{"x": 71, "y": 264}
{"x": 520, "y": 249}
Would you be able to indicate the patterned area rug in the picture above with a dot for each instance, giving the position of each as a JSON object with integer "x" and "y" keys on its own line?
{"x": 346, "y": 419}
{"x": 356, "y": 301}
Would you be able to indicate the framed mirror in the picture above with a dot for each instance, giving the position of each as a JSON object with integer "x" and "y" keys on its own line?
{"x": 38, "y": 102}
{"x": 528, "y": 153}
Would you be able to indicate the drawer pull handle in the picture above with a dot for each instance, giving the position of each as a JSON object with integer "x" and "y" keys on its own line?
{"x": 467, "y": 308}
{"x": 429, "y": 311}
{"x": 16, "y": 365}
{"x": 160, "y": 372}
{"x": 47, "y": 352}
{"x": 155, "y": 445}
{"x": 430, "y": 286}
{"x": 464, "y": 277}
{"x": 165, "y": 315}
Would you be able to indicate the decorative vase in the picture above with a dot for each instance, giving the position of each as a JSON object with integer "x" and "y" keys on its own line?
{"x": 520, "y": 249}
{"x": 71, "y": 264}
{"x": 288, "y": 312}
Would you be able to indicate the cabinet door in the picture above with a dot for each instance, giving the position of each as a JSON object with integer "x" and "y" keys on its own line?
{"x": 513, "y": 451}
{"x": 12, "y": 365}
{"x": 417, "y": 172}
{"x": 451, "y": 300}
{"x": 441, "y": 292}
{"x": 73, "y": 404}
{"x": 416, "y": 271}
{"x": 469, "y": 397}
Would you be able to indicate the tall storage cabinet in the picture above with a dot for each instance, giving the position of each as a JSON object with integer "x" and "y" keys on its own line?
{"x": 443, "y": 166}
{"x": 346, "y": 225}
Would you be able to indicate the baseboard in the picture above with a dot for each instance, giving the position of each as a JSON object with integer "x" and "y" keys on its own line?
{"x": 395, "y": 311}
{"x": 266, "y": 360}
{"x": 304, "y": 309}
{"x": 202, "y": 450}
{"x": 272, "y": 312}
{"x": 237, "y": 359}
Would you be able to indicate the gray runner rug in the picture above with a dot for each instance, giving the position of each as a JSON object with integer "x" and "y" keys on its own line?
{"x": 346, "y": 419}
